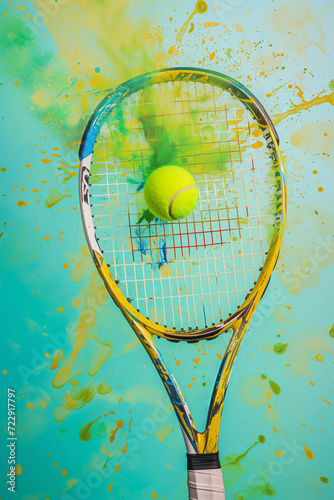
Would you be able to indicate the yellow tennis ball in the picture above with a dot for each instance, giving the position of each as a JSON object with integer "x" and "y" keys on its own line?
{"x": 171, "y": 193}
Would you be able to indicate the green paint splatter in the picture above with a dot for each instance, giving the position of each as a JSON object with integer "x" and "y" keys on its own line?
{"x": 324, "y": 479}
{"x": 118, "y": 129}
{"x": 164, "y": 151}
{"x": 259, "y": 487}
{"x": 280, "y": 348}
{"x": 232, "y": 468}
{"x": 55, "y": 197}
{"x": 331, "y": 84}
{"x": 331, "y": 332}
{"x": 268, "y": 490}
{"x": 103, "y": 388}
{"x": 68, "y": 171}
{"x": 275, "y": 387}
{"x": 16, "y": 34}
{"x": 162, "y": 144}
{"x": 85, "y": 432}
{"x": 178, "y": 143}
{"x": 133, "y": 181}
{"x": 261, "y": 439}
{"x": 99, "y": 429}
{"x": 146, "y": 216}
{"x": 85, "y": 394}
{"x": 263, "y": 376}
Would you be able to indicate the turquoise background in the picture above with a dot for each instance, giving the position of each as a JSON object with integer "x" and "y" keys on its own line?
{"x": 54, "y": 71}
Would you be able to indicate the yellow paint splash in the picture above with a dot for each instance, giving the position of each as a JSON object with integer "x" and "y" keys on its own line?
{"x": 119, "y": 425}
{"x": 272, "y": 414}
{"x": 84, "y": 394}
{"x": 211, "y": 24}
{"x": 110, "y": 40}
{"x": 283, "y": 314}
{"x": 61, "y": 413}
{"x": 163, "y": 432}
{"x": 95, "y": 298}
{"x": 314, "y": 137}
{"x": 255, "y": 391}
{"x": 99, "y": 351}
{"x": 308, "y": 453}
{"x": 18, "y": 470}
{"x": 200, "y": 8}
{"x": 79, "y": 268}
{"x": 268, "y": 62}
{"x": 68, "y": 170}
{"x": 58, "y": 355}
{"x": 295, "y": 23}
{"x": 324, "y": 400}
{"x": 103, "y": 388}
{"x": 304, "y": 105}
{"x": 74, "y": 400}
{"x": 55, "y": 197}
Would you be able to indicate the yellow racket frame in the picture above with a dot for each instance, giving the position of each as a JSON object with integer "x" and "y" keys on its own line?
{"x": 206, "y": 441}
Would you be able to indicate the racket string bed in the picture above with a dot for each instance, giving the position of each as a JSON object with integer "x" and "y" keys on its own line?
{"x": 200, "y": 236}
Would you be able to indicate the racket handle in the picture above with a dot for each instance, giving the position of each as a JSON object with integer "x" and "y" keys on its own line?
{"x": 205, "y": 477}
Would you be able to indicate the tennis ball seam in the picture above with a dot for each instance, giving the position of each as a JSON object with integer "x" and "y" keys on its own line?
{"x": 170, "y": 206}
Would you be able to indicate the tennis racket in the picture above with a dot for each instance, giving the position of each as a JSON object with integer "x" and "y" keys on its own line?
{"x": 201, "y": 276}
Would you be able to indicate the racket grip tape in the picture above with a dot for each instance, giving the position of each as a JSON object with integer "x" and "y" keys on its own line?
{"x": 205, "y": 477}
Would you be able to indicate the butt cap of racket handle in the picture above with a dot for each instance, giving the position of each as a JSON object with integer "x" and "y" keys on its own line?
{"x": 205, "y": 477}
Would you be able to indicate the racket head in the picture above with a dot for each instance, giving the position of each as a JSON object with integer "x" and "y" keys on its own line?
{"x": 196, "y": 277}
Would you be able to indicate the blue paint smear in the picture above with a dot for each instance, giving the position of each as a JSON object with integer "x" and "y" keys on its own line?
{"x": 141, "y": 246}
{"x": 140, "y": 186}
{"x": 162, "y": 253}
{"x": 204, "y": 316}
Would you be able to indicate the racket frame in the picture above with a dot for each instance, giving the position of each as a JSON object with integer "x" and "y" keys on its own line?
{"x": 205, "y": 442}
